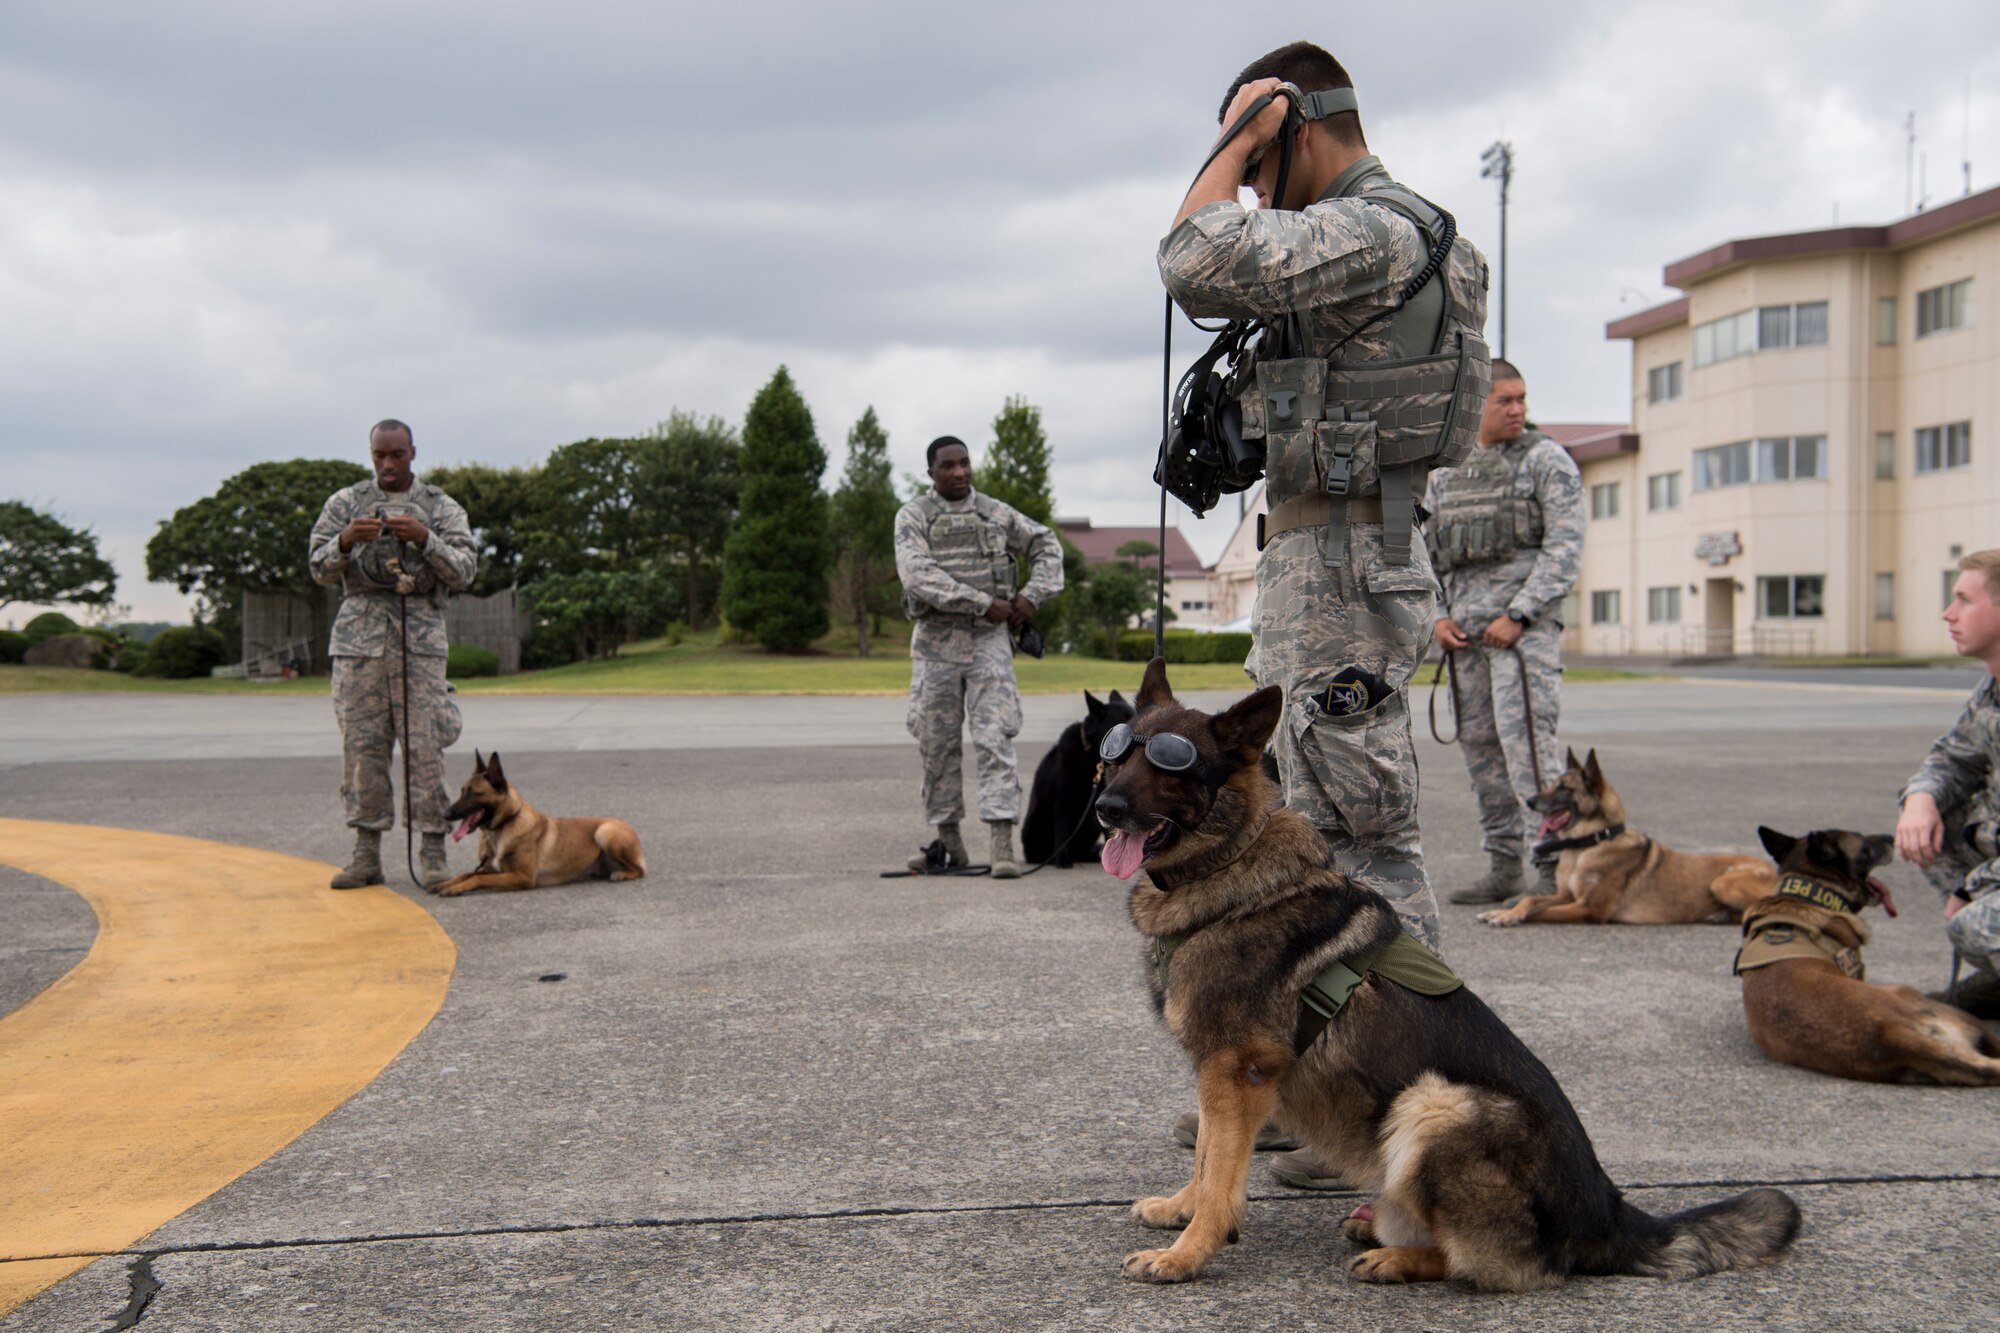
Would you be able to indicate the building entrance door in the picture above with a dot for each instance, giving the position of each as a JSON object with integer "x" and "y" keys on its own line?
{"x": 1719, "y": 616}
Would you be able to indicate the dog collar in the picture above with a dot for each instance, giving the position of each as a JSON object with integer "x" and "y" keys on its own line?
{"x": 1209, "y": 862}
{"x": 1587, "y": 840}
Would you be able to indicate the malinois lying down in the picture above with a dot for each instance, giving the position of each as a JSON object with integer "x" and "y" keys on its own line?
{"x": 1803, "y": 993}
{"x": 1411, "y": 1088}
{"x": 522, "y": 848}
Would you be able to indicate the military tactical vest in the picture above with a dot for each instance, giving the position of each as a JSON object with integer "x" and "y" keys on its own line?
{"x": 970, "y": 545}
{"x": 1336, "y": 430}
{"x": 1480, "y": 516}
{"x": 387, "y": 564}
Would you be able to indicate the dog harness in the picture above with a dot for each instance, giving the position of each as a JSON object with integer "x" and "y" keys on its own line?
{"x": 1403, "y": 960}
{"x": 1773, "y": 938}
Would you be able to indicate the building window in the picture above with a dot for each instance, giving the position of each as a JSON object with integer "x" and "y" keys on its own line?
{"x": 1791, "y": 596}
{"x": 1950, "y": 586}
{"x": 1885, "y": 455}
{"x": 1940, "y": 447}
{"x": 1764, "y": 329}
{"x": 1942, "y": 309}
{"x": 1885, "y": 596}
{"x": 1604, "y": 607}
{"x": 1809, "y": 324}
{"x": 1663, "y": 491}
{"x": 1885, "y": 321}
{"x": 1604, "y": 500}
{"x": 1663, "y": 605}
{"x": 1194, "y": 606}
{"x": 1790, "y": 458}
{"x": 1721, "y": 339}
{"x": 1722, "y": 465}
{"x": 1663, "y": 382}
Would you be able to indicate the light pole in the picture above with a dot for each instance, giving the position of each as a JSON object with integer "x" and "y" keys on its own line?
{"x": 1499, "y": 165}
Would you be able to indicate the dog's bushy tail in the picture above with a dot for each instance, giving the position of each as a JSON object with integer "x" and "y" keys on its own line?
{"x": 1747, "y": 1230}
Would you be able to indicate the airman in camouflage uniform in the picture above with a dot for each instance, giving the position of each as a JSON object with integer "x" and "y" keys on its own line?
{"x": 1950, "y": 824}
{"x": 396, "y": 546}
{"x": 1506, "y": 537}
{"x": 955, "y": 553}
{"x": 1343, "y": 599}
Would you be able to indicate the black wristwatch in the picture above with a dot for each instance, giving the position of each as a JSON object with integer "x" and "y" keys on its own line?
{"x": 1519, "y": 619}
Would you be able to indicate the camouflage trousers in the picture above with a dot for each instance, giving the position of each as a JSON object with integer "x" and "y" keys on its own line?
{"x": 1353, "y": 775}
{"x": 368, "y": 701}
{"x": 1974, "y": 931}
{"x": 947, "y": 698}
{"x": 1494, "y": 735}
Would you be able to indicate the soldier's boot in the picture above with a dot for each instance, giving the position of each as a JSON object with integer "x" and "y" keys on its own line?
{"x": 365, "y": 866}
{"x": 1004, "y": 864}
{"x": 432, "y": 868}
{"x": 1978, "y": 994}
{"x": 1499, "y": 884}
{"x": 954, "y": 846}
{"x": 1545, "y": 877}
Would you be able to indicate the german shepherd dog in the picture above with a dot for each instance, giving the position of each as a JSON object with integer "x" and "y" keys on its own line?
{"x": 1608, "y": 872}
{"x": 1812, "y": 1009}
{"x": 1479, "y": 1166}
{"x": 1059, "y": 801}
{"x": 522, "y": 848}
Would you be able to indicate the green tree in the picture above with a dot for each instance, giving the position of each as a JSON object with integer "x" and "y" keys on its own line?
{"x": 590, "y": 510}
{"x": 1015, "y": 469}
{"x": 44, "y": 560}
{"x": 864, "y": 526}
{"x": 690, "y": 482}
{"x": 774, "y": 575}
{"x": 505, "y": 507}
{"x": 598, "y": 609}
{"x": 252, "y": 533}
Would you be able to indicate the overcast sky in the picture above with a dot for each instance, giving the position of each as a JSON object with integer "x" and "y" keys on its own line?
{"x": 241, "y": 231}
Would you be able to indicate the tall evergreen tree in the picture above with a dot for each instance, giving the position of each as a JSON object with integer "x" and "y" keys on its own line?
{"x": 691, "y": 483}
{"x": 1015, "y": 469}
{"x": 864, "y": 524}
{"x": 774, "y": 564}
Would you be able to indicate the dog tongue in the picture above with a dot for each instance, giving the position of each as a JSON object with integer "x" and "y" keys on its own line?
{"x": 466, "y": 826}
{"x": 1122, "y": 854}
{"x": 1552, "y": 822}
{"x": 1882, "y": 893}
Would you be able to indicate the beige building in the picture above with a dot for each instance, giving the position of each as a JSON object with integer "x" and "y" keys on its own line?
{"x": 1189, "y": 591}
{"x": 1806, "y": 462}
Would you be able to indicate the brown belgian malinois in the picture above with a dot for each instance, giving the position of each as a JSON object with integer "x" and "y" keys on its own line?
{"x": 1606, "y": 871}
{"x": 1803, "y": 992}
{"x": 1295, "y": 991}
{"x": 522, "y": 848}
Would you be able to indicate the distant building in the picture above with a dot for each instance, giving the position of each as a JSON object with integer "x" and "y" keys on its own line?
{"x": 1188, "y": 591}
{"x": 1806, "y": 465}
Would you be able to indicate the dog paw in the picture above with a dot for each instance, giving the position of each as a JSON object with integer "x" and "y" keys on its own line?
{"x": 1159, "y": 1212}
{"x": 1381, "y": 1265}
{"x": 1500, "y": 917}
{"x": 1359, "y": 1227}
{"x": 621, "y": 876}
{"x": 1159, "y": 1266}
{"x": 448, "y": 890}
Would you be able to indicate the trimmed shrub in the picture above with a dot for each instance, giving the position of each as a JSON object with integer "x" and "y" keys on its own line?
{"x": 47, "y": 625}
{"x": 1185, "y": 646}
{"x": 184, "y": 653}
{"x": 469, "y": 659}
{"x": 13, "y": 643}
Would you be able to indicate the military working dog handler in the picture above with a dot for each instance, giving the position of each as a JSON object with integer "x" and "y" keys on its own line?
{"x": 397, "y": 548}
{"x": 955, "y": 553}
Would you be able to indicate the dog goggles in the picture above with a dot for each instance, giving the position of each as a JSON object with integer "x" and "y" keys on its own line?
{"x": 1174, "y": 754}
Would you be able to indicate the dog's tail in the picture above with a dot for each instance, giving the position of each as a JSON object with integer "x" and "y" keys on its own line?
{"x": 1750, "y": 1229}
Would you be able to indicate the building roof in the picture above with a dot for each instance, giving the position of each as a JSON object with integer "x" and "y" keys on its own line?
{"x": 1587, "y": 440}
{"x": 1101, "y": 544}
{"x": 1969, "y": 211}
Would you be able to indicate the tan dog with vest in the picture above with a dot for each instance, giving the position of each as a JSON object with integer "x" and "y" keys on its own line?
{"x": 1803, "y": 992}
{"x": 522, "y": 848}
{"x": 1607, "y": 872}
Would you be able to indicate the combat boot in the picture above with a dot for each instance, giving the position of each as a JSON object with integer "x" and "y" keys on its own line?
{"x": 1500, "y": 883}
{"x": 1004, "y": 864}
{"x": 432, "y": 869}
{"x": 954, "y": 847}
{"x": 365, "y": 866}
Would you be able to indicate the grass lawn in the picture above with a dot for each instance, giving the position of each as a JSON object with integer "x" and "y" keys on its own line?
{"x": 702, "y": 664}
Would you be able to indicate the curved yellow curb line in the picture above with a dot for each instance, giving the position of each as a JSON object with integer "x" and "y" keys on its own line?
{"x": 230, "y": 1001}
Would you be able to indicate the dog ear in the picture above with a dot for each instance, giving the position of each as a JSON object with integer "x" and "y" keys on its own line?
{"x": 1092, "y": 705}
{"x": 1592, "y": 773}
{"x": 1154, "y": 690}
{"x": 493, "y": 773}
{"x": 1574, "y": 764}
{"x": 1777, "y": 844}
{"x": 478, "y": 761}
{"x": 1116, "y": 698}
{"x": 1247, "y": 725}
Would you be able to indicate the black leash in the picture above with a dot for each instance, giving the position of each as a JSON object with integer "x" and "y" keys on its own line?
{"x": 1166, "y": 426}
{"x": 1447, "y": 665}
{"x": 409, "y": 829}
{"x": 936, "y": 852}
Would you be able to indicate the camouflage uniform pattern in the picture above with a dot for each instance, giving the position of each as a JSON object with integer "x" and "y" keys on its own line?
{"x": 1342, "y": 261}
{"x": 962, "y": 665}
{"x": 1962, "y": 774}
{"x": 367, "y": 648}
{"x": 1492, "y": 709}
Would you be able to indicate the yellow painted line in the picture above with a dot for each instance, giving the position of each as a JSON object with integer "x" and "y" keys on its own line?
{"x": 230, "y": 1000}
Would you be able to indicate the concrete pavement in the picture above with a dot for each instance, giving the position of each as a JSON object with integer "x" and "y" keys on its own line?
{"x": 771, "y": 1090}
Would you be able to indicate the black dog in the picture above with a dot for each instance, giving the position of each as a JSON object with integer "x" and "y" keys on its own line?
{"x": 1059, "y": 803}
